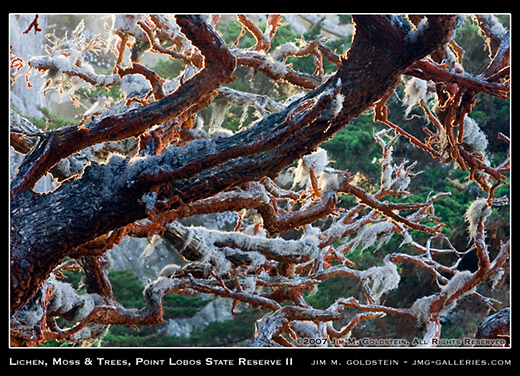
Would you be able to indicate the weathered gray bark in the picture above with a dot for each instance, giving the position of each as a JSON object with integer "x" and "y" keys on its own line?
{"x": 495, "y": 325}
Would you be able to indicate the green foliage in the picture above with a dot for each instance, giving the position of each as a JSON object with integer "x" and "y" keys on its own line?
{"x": 240, "y": 328}
{"x": 330, "y": 290}
{"x": 231, "y": 32}
{"x": 306, "y": 64}
{"x": 113, "y": 92}
{"x": 468, "y": 37}
{"x": 127, "y": 288}
{"x": 169, "y": 68}
{"x": 177, "y": 306}
{"x": 353, "y": 148}
{"x": 50, "y": 120}
{"x": 74, "y": 278}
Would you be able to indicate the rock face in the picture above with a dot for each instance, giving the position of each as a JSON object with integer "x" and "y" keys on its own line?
{"x": 216, "y": 310}
{"x": 143, "y": 258}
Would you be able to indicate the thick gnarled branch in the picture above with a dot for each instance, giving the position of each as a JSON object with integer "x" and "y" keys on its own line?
{"x": 59, "y": 144}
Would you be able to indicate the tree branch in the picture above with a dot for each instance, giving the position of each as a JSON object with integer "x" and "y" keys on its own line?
{"x": 59, "y": 144}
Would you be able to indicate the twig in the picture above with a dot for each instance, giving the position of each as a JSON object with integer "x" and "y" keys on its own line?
{"x": 34, "y": 24}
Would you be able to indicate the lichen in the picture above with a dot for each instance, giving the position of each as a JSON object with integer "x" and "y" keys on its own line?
{"x": 316, "y": 161}
{"x": 134, "y": 85}
{"x": 456, "y": 283}
{"x": 402, "y": 181}
{"x": 376, "y": 233}
{"x": 478, "y": 210}
{"x": 414, "y": 35}
{"x": 149, "y": 200}
{"x": 415, "y": 90}
{"x": 282, "y": 51}
{"x": 65, "y": 301}
{"x": 474, "y": 138}
{"x": 384, "y": 278}
{"x": 421, "y": 309}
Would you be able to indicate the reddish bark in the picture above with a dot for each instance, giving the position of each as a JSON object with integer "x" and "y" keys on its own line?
{"x": 219, "y": 65}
